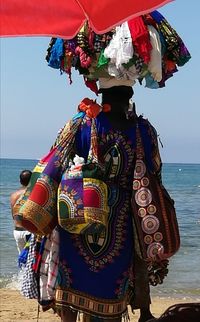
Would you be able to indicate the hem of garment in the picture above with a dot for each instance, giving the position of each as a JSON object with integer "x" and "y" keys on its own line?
{"x": 85, "y": 303}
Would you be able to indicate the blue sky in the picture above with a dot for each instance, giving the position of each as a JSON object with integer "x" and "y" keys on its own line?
{"x": 36, "y": 101}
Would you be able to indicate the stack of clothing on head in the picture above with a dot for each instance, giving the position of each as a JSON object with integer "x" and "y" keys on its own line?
{"x": 145, "y": 48}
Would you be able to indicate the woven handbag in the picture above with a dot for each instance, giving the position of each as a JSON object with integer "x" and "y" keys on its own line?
{"x": 153, "y": 210}
{"x": 36, "y": 210}
{"x": 83, "y": 194}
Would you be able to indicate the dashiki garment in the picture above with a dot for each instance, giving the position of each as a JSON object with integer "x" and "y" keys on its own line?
{"x": 96, "y": 269}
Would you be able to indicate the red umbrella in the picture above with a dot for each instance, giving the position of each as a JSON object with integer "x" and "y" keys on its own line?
{"x": 64, "y": 18}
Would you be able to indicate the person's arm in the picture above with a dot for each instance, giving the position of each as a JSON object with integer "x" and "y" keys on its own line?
{"x": 151, "y": 148}
{"x": 156, "y": 158}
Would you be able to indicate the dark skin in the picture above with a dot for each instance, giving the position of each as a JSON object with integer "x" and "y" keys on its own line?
{"x": 118, "y": 97}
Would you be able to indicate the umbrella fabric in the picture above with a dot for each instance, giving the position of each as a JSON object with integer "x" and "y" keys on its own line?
{"x": 64, "y": 18}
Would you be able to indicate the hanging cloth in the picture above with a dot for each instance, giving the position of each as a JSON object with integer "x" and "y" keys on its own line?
{"x": 120, "y": 48}
{"x": 49, "y": 269}
{"x": 122, "y": 72}
{"x": 155, "y": 64}
{"x": 176, "y": 49}
{"x": 140, "y": 37}
{"x": 56, "y": 54}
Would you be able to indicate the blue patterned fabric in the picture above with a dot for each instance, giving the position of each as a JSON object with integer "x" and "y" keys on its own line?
{"x": 56, "y": 54}
{"x": 157, "y": 16}
{"x": 95, "y": 269}
{"x": 22, "y": 258}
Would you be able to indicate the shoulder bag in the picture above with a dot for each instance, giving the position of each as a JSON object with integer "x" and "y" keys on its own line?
{"x": 83, "y": 193}
{"x": 153, "y": 210}
{"x": 36, "y": 210}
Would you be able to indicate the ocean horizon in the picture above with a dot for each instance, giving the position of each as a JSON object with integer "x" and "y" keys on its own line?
{"x": 37, "y": 159}
{"x": 182, "y": 180}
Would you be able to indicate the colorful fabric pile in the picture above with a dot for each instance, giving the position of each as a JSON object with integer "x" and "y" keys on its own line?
{"x": 144, "y": 48}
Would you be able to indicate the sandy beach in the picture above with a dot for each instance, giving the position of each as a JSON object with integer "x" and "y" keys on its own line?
{"x": 14, "y": 307}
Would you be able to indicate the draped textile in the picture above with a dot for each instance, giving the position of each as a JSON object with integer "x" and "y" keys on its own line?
{"x": 95, "y": 269}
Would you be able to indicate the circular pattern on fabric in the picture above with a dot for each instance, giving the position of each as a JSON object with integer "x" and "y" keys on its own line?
{"x": 140, "y": 169}
{"x": 148, "y": 239}
{"x": 143, "y": 197}
{"x": 158, "y": 236}
{"x": 136, "y": 185}
{"x": 145, "y": 182}
{"x": 150, "y": 224}
{"x": 142, "y": 212}
{"x": 151, "y": 209}
{"x": 155, "y": 249}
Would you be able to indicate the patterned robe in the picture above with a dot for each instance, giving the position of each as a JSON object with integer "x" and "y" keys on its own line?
{"x": 96, "y": 269}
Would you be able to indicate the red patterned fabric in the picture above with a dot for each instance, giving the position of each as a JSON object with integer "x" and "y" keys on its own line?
{"x": 140, "y": 36}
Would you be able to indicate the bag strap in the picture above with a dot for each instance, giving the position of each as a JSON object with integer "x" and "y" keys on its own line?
{"x": 69, "y": 132}
{"x": 67, "y": 137}
{"x": 140, "y": 154}
{"x": 93, "y": 151}
{"x": 65, "y": 144}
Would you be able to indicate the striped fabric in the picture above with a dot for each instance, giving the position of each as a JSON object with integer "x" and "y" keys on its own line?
{"x": 49, "y": 268}
{"x": 29, "y": 281}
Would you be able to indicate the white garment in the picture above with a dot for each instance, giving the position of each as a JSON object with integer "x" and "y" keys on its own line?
{"x": 49, "y": 267}
{"x": 105, "y": 82}
{"x": 123, "y": 73}
{"x": 20, "y": 238}
{"x": 120, "y": 48}
{"x": 155, "y": 63}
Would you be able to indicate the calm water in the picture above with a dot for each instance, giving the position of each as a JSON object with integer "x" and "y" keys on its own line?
{"x": 183, "y": 184}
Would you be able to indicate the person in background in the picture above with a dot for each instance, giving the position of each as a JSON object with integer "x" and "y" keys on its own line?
{"x": 20, "y": 234}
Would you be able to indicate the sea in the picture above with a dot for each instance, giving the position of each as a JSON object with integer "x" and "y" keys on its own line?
{"x": 183, "y": 184}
